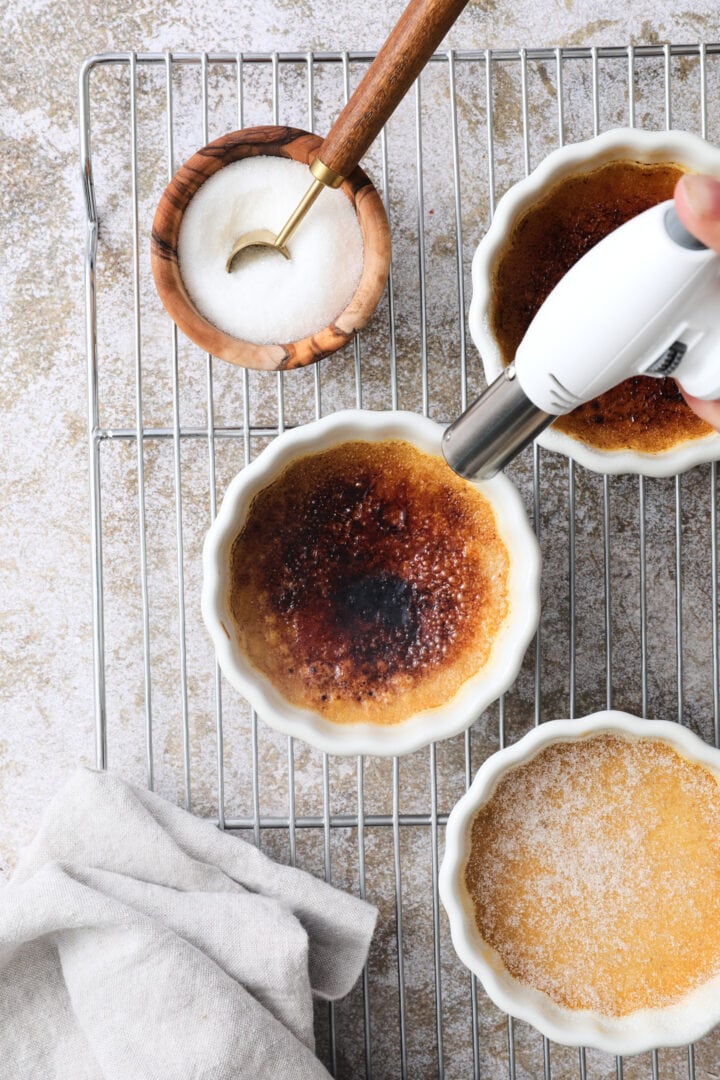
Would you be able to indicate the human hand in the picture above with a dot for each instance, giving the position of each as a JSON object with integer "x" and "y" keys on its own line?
{"x": 697, "y": 201}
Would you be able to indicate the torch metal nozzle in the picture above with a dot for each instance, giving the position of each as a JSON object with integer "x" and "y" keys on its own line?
{"x": 494, "y": 429}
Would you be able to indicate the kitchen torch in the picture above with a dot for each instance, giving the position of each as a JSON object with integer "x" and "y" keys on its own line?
{"x": 644, "y": 301}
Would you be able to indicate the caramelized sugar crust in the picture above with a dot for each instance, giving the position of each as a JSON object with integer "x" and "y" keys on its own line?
{"x": 594, "y": 871}
{"x": 641, "y": 413}
{"x": 369, "y": 582}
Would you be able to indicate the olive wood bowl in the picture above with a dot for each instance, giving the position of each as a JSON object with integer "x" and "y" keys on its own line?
{"x": 255, "y": 142}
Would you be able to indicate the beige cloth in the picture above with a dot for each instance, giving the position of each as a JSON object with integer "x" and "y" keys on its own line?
{"x": 138, "y": 942}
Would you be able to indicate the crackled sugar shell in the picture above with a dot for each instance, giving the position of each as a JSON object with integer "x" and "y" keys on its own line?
{"x": 685, "y": 440}
{"x": 345, "y": 598}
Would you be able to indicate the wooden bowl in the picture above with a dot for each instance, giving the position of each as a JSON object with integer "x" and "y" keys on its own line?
{"x": 256, "y": 142}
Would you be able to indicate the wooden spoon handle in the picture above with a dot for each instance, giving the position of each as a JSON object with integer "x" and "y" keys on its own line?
{"x": 415, "y": 37}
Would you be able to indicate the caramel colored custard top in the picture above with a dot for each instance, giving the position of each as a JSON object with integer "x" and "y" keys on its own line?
{"x": 594, "y": 872}
{"x": 641, "y": 413}
{"x": 369, "y": 582}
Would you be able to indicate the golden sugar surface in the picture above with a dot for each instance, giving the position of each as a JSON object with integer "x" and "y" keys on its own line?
{"x": 594, "y": 872}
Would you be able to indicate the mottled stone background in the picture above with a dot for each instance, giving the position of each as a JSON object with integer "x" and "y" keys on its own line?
{"x": 47, "y": 718}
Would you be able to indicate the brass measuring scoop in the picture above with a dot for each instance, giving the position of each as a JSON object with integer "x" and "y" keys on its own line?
{"x": 420, "y": 29}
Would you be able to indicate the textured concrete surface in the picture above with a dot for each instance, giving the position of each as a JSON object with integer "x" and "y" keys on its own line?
{"x": 47, "y": 718}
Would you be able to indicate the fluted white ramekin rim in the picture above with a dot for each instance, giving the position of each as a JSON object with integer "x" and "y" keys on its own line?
{"x": 476, "y": 694}
{"x": 620, "y": 144}
{"x": 645, "y": 1029}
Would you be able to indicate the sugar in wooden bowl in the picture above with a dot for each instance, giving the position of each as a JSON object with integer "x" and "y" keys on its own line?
{"x": 267, "y": 297}
{"x": 269, "y": 313}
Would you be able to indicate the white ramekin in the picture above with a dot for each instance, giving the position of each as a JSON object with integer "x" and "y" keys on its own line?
{"x": 620, "y": 144}
{"x": 425, "y": 727}
{"x": 642, "y": 1030}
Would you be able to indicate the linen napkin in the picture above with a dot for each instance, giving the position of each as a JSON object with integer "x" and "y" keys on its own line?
{"x": 138, "y": 942}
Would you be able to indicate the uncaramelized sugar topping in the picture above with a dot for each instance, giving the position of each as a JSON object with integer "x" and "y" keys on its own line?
{"x": 594, "y": 871}
{"x": 369, "y": 582}
{"x": 641, "y": 413}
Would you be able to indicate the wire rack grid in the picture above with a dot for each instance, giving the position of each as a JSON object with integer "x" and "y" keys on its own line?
{"x": 630, "y": 579}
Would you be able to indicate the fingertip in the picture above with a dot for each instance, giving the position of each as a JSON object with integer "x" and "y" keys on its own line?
{"x": 709, "y": 411}
{"x": 697, "y": 201}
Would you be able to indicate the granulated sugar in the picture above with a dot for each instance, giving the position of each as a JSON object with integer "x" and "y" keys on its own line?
{"x": 267, "y": 298}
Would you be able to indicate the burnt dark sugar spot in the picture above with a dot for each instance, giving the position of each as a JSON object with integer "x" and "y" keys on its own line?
{"x": 380, "y": 614}
{"x": 382, "y": 599}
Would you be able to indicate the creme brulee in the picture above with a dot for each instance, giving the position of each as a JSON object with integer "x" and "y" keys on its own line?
{"x": 641, "y": 413}
{"x": 594, "y": 872}
{"x": 369, "y": 582}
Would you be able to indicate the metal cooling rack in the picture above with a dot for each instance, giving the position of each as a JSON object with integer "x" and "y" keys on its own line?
{"x": 630, "y": 585}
